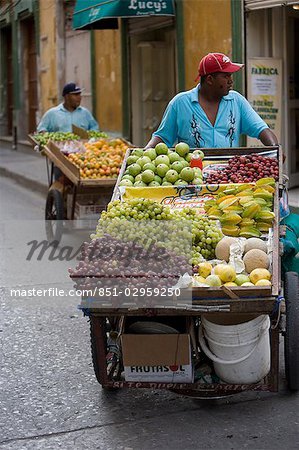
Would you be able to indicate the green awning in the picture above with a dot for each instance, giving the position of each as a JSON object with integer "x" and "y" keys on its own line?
{"x": 93, "y": 14}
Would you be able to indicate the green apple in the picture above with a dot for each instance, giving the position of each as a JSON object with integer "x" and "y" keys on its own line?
{"x": 184, "y": 162}
{"x": 149, "y": 166}
{"x": 197, "y": 172}
{"x": 139, "y": 184}
{"x": 158, "y": 179}
{"x": 161, "y": 149}
{"x": 138, "y": 177}
{"x": 162, "y": 159}
{"x": 134, "y": 169}
{"x": 171, "y": 176}
{"x": 128, "y": 177}
{"x": 154, "y": 183}
{"x": 137, "y": 152}
{"x": 166, "y": 183}
{"x": 197, "y": 181}
{"x": 200, "y": 153}
{"x": 151, "y": 153}
{"x": 147, "y": 176}
{"x": 177, "y": 166}
{"x": 173, "y": 156}
{"x": 126, "y": 183}
{"x": 182, "y": 148}
{"x": 188, "y": 157}
{"x": 143, "y": 160}
{"x": 187, "y": 174}
{"x": 132, "y": 159}
{"x": 181, "y": 183}
{"x": 162, "y": 169}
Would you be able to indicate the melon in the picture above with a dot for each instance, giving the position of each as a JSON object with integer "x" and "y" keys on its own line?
{"x": 255, "y": 243}
{"x": 254, "y": 259}
{"x": 222, "y": 248}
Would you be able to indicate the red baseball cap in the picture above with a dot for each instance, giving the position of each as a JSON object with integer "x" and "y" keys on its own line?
{"x": 217, "y": 62}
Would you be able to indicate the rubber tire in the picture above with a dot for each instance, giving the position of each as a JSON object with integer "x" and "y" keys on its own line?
{"x": 291, "y": 338}
{"x": 54, "y": 200}
{"x": 93, "y": 344}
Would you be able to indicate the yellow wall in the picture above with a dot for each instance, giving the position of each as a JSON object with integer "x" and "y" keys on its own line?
{"x": 48, "y": 62}
{"x": 207, "y": 28}
{"x": 108, "y": 79}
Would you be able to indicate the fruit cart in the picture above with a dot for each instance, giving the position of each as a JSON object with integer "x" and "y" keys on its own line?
{"x": 279, "y": 302}
{"x": 76, "y": 197}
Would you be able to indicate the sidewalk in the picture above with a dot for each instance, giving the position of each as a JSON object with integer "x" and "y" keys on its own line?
{"x": 29, "y": 169}
{"x": 25, "y": 166}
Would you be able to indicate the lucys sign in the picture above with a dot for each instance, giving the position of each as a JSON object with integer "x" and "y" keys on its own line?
{"x": 88, "y": 12}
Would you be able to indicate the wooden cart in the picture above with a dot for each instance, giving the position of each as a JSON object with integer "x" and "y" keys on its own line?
{"x": 62, "y": 198}
{"x": 280, "y": 301}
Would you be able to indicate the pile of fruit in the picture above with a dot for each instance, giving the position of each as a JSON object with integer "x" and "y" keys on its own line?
{"x": 161, "y": 166}
{"x": 256, "y": 265}
{"x": 111, "y": 262}
{"x": 245, "y": 210}
{"x": 143, "y": 220}
{"x": 60, "y": 136}
{"x": 139, "y": 228}
{"x": 245, "y": 169}
{"x": 101, "y": 159}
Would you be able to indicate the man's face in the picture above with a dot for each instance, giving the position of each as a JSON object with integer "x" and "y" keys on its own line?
{"x": 222, "y": 83}
{"x": 73, "y": 100}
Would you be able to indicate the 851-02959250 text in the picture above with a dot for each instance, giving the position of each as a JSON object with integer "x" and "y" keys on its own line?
{"x": 137, "y": 292}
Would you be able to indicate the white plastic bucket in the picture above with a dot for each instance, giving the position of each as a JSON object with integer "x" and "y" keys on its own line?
{"x": 239, "y": 346}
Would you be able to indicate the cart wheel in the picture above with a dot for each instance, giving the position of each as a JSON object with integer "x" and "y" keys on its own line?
{"x": 54, "y": 215}
{"x": 291, "y": 338}
{"x": 113, "y": 368}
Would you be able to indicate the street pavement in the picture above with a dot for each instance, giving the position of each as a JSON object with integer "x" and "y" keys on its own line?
{"x": 49, "y": 396}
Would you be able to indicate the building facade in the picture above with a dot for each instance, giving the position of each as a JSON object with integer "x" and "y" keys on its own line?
{"x": 131, "y": 71}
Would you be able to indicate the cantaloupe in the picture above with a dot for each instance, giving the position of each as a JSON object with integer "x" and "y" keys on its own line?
{"x": 255, "y": 243}
{"x": 254, "y": 259}
{"x": 222, "y": 248}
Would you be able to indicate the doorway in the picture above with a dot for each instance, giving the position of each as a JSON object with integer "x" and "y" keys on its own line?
{"x": 6, "y": 82}
{"x": 153, "y": 77}
{"x": 29, "y": 82}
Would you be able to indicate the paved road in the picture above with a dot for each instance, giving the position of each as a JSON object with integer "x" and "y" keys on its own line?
{"x": 49, "y": 396}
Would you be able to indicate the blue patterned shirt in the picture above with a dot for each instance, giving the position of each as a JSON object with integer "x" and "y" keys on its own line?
{"x": 184, "y": 120}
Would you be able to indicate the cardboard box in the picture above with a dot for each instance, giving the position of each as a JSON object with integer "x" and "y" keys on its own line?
{"x": 157, "y": 358}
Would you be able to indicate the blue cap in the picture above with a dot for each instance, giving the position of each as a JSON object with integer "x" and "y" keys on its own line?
{"x": 71, "y": 88}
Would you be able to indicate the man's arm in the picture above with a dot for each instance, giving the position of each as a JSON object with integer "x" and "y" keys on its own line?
{"x": 267, "y": 137}
{"x": 153, "y": 142}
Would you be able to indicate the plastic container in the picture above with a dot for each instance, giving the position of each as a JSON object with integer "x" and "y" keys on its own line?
{"x": 196, "y": 161}
{"x": 238, "y": 345}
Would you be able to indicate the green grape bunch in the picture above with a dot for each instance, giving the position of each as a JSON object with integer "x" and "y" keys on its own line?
{"x": 58, "y": 136}
{"x": 183, "y": 231}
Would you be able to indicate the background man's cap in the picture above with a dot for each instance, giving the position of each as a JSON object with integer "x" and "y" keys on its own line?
{"x": 71, "y": 88}
{"x": 217, "y": 62}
